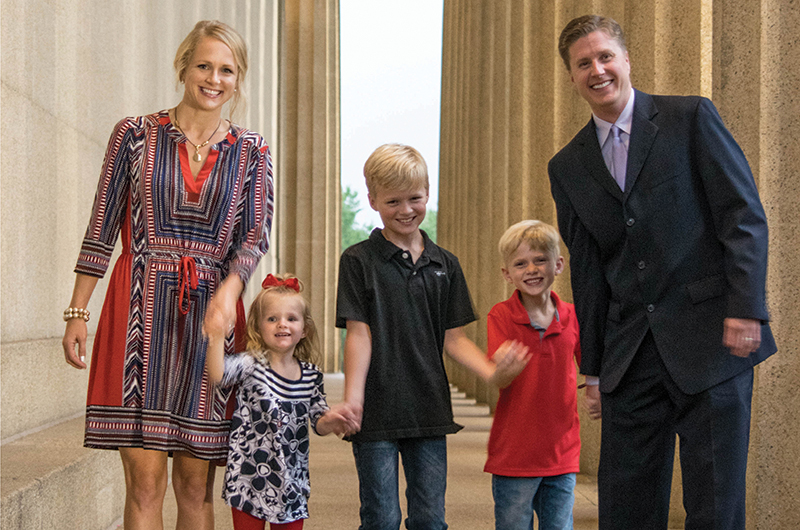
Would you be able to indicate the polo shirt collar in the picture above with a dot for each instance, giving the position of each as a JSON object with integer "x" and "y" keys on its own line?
{"x": 388, "y": 250}
{"x": 519, "y": 315}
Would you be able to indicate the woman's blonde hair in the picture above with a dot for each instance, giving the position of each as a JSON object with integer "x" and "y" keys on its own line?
{"x": 306, "y": 349}
{"x": 228, "y": 36}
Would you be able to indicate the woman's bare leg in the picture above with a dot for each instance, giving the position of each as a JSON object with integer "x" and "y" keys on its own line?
{"x": 145, "y": 486}
{"x": 193, "y": 482}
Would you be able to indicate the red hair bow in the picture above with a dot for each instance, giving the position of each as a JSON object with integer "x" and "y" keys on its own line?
{"x": 272, "y": 281}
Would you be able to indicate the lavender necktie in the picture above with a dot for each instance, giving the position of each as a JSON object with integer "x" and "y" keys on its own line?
{"x": 619, "y": 157}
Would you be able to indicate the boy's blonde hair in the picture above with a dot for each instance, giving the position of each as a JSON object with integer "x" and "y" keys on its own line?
{"x": 306, "y": 349}
{"x": 395, "y": 167}
{"x": 540, "y": 236}
{"x": 228, "y": 36}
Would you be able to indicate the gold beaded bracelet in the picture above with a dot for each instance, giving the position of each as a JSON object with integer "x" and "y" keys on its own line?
{"x": 76, "y": 312}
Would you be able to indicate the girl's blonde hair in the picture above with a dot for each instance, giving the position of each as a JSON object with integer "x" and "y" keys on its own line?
{"x": 306, "y": 350}
{"x": 228, "y": 36}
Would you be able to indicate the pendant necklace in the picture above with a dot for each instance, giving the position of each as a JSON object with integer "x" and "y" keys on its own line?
{"x": 197, "y": 156}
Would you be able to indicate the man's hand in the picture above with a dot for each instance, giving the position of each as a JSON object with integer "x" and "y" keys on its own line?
{"x": 742, "y": 335}
{"x": 592, "y": 401}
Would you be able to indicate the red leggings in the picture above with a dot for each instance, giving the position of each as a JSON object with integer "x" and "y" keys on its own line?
{"x": 245, "y": 521}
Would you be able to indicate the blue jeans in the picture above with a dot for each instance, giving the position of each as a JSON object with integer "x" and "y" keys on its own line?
{"x": 425, "y": 468}
{"x": 517, "y": 498}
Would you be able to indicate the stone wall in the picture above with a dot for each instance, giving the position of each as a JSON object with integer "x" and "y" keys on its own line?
{"x": 70, "y": 71}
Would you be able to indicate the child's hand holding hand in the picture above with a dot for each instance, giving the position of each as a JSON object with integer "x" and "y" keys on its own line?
{"x": 353, "y": 415}
{"x": 220, "y": 314}
{"x": 339, "y": 420}
{"x": 510, "y": 359}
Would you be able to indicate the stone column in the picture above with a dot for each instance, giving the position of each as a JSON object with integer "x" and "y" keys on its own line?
{"x": 309, "y": 196}
{"x": 771, "y": 61}
{"x": 508, "y": 106}
{"x": 498, "y": 127}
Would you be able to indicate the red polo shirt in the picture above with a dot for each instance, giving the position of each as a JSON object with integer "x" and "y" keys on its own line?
{"x": 536, "y": 431}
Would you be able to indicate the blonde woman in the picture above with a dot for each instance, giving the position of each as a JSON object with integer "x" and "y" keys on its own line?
{"x": 192, "y": 195}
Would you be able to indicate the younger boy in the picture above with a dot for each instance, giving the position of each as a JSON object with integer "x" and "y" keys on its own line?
{"x": 402, "y": 299}
{"x": 534, "y": 444}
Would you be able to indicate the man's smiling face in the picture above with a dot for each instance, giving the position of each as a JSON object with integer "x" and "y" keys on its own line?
{"x": 601, "y": 72}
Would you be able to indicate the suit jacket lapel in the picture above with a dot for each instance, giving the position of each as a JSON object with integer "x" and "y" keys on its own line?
{"x": 593, "y": 160}
{"x": 643, "y": 134}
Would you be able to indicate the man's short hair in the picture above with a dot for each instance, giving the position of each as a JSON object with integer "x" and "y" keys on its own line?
{"x": 540, "y": 236}
{"x": 582, "y": 26}
{"x": 395, "y": 167}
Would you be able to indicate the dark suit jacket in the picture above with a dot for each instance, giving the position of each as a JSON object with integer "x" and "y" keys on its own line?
{"x": 684, "y": 246}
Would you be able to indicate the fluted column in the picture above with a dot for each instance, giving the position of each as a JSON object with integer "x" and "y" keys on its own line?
{"x": 774, "y": 473}
{"x": 508, "y": 106}
{"x": 309, "y": 209}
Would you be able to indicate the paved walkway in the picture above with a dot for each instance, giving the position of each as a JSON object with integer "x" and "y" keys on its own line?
{"x": 334, "y": 485}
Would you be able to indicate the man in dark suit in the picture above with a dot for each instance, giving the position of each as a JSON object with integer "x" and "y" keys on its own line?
{"x": 668, "y": 257}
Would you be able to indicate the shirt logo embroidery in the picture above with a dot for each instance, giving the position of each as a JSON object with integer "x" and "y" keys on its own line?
{"x": 439, "y": 273}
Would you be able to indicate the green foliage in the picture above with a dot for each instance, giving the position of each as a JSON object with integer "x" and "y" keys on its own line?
{"x": 429, "y": 224}
{"x": 352, "y": 232}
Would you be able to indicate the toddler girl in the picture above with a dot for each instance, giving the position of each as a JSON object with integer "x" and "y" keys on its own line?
{"x": 279, "y": 390}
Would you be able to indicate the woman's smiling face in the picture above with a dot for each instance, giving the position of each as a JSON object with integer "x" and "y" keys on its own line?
{"x": 211, "y": 76}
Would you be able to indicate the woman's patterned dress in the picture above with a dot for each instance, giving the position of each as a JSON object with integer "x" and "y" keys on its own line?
{"x": 267, "y": 471}
{"x": 181, "y": 237}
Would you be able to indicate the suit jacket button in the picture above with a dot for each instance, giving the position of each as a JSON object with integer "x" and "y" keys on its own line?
{"x": 651, "y": 308}
{"x": 641, "y": 265}
{"x": 630, "y": 222}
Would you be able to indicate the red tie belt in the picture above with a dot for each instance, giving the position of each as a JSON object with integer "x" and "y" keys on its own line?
{"x": 188, "y": 273}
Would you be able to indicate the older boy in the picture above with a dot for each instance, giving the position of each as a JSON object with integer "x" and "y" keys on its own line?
{"x": 402, "y": 299}
{"x": 534, "y": 445}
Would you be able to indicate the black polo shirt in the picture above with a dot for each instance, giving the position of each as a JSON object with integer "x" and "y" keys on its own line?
{"x": 408, "y": 306}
